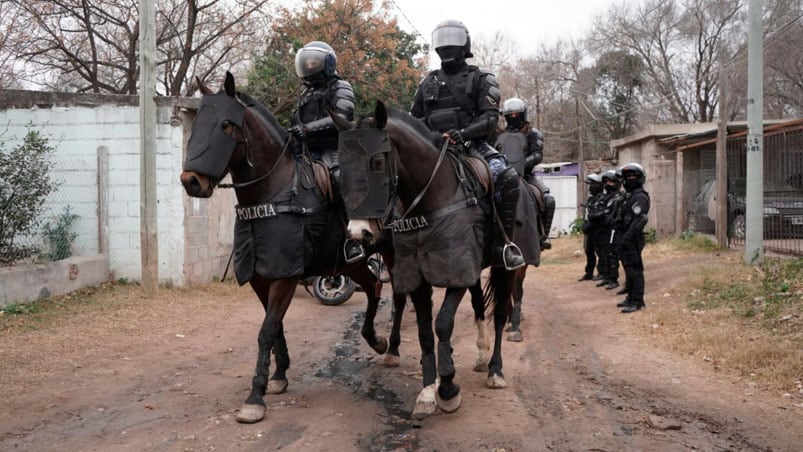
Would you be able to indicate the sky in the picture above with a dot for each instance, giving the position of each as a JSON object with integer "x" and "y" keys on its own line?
{"x": 529, "y": 24}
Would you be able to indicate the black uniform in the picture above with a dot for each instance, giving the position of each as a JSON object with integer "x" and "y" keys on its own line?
{"x": 524, "y": 148}
{"x": 591, "y": 226}
{"x": 319, "y": 131}
{"x": 630, "y": 242}
{"x": 463, "y": 102}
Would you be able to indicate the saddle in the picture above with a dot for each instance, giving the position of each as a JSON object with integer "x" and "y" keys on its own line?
{"x": 540, "y": 204}
{"x": 481, "y": 171}
{"x": 318, "y": 174}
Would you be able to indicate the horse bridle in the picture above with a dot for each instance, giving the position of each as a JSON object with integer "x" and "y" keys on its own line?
{"x": 248, "y": 157}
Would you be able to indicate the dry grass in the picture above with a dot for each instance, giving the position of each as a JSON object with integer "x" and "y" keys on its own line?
{"x": 740, "y": 319}
{"x": 705, "y": 303}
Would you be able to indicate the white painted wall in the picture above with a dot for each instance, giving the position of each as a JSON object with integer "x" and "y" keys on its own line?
{"x": 77, "y": 132}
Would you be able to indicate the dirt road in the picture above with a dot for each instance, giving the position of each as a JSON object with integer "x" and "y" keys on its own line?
{"x": 170, "y": 373}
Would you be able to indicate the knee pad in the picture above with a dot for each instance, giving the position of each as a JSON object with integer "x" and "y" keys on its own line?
{"x": 549, "y": 202}
{"x": 508, "y": 179}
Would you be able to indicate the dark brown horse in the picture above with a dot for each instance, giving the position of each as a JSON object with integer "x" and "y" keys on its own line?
{"x": 287, "y": 227}
{"x": 440, "y": 235}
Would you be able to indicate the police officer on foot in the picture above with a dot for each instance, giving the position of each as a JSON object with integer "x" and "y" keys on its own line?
{"x": 316, "y": 64}
{"x": 523, "y": 146}
{"x": 630, "y": 230}
{"x": 614, "y": 197}
{"x": 461, "y": 103}
{"x": 591, "y": 225}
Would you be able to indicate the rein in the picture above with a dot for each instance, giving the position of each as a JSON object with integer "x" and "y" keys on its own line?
{"x": 429, "y": 182}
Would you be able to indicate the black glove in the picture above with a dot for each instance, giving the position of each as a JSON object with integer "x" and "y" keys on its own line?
{"x": 456, "y": 136}
{"x": 298, "y": 131}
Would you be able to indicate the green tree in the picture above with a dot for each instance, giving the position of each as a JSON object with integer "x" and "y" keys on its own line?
{"x": 373, "y": 54}
{"x": 25, "y": 182}
{"x": 617, "y": 80}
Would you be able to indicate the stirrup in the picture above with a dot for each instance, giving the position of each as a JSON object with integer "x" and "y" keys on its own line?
{"x": 509, "y": 267}
{"x": 346, "y": 249}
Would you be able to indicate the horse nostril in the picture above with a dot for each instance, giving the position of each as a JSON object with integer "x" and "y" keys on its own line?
{"x": 192, "y": 185}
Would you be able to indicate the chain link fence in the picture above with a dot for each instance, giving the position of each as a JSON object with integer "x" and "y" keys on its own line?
{"x": 62, "y": 224}
{"x": 783, "y": 193}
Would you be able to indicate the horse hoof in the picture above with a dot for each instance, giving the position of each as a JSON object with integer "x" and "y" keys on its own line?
{"x": 391, "y": 361}
{"x": 515, "y": 336}
{"x": 381, "y": 345}
{"x": 451, "y": 405}
{"x": 250, "y": 414}
{"x": 425, "y": 403}
{"x": 277, "y": 386}
{"x": 481, "y": 366}
{"x": 496, "y": 382}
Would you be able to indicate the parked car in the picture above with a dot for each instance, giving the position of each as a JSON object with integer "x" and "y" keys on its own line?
{"x": 783, "y": 209}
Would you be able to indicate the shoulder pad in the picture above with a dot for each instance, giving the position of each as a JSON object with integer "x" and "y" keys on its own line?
{"x": 341, "y": 84}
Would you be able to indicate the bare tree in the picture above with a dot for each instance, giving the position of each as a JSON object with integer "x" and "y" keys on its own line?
{"x": 679, "y": 46}
{"x": 92, "y": 45}
{"x": 492, "y": 53}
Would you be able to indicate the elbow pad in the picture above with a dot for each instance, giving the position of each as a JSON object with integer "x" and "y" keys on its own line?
{"x": 481, "y": 128}
{"x": 319, "y": 126}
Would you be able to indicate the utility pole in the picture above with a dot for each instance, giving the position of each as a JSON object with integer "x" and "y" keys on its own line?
{"x": 722, "y": 158}
{"x": 580, "y": 158}
{"x": 149, "y": 237}
{"x": 754, "y": 204}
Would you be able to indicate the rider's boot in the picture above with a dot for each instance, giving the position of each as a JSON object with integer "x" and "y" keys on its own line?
{"x": 509, "y": 191}
{"x": 549, "y": 215}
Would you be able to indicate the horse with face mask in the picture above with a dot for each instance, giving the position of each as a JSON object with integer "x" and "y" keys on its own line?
{"x": 441, "y": 234}
{"x": 287, "y": 226}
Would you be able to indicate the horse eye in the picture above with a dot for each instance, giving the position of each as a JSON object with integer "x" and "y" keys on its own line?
{"x": 225, "y": 124}
{"x": 378, "y": 163}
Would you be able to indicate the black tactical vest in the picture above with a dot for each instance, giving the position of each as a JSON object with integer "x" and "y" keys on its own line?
{"x": 444, "y": 111}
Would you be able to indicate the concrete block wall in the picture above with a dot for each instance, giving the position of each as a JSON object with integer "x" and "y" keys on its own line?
{"x": 82, "y": 126}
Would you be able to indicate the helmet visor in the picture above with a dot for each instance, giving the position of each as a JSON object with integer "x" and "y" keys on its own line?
{"x": 310, "y": 61}
{"x": 449, "y": 35}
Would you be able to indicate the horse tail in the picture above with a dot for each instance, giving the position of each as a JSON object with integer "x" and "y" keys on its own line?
{"x": 499, "y": 291}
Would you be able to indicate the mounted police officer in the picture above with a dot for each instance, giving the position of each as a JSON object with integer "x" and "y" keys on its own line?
{"x": 461, "y": 103}
{"x": 630, "y": 232}
{"x": 316, "y": 64}
{"x": 591, "y": 226}
{"x": 523, "y": 146}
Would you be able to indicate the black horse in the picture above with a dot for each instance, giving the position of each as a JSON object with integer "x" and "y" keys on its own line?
{"x": 441, "y": 234}
{"x": 287, "y": 226}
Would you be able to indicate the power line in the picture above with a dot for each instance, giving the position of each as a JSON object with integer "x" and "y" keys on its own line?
{"x": 415, "y": 29}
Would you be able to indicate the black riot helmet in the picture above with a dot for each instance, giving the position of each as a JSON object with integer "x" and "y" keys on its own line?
{"x": 515, "y": 112}
{"x": 451, "y": 42}
{"x": 633, "y": 176}
{"x": 316, "y": 61}
{"x": 610, "y": 179}
{"x": 593, "y": 178}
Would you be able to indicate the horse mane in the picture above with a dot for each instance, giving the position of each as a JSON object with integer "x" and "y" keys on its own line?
{"x": 411, "y": 121}
{"x": 274, "y": 128}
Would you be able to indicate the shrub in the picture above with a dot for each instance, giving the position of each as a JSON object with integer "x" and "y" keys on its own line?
{"x": 25, "y": 182}
{"x": 60, "y": 235}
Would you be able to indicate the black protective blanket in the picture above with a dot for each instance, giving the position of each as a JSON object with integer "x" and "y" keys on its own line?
{"x": 299, "y": 243}
{"x": 527, "y": 227}
{"x": 447, "y": 253}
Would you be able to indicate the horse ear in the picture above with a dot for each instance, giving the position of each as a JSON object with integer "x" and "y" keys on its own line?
{"x": 341, "y": 122}
{"x": 228, "y": 85}
{"x": 202, "y": 87}
{"x": 380, "y": 115}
